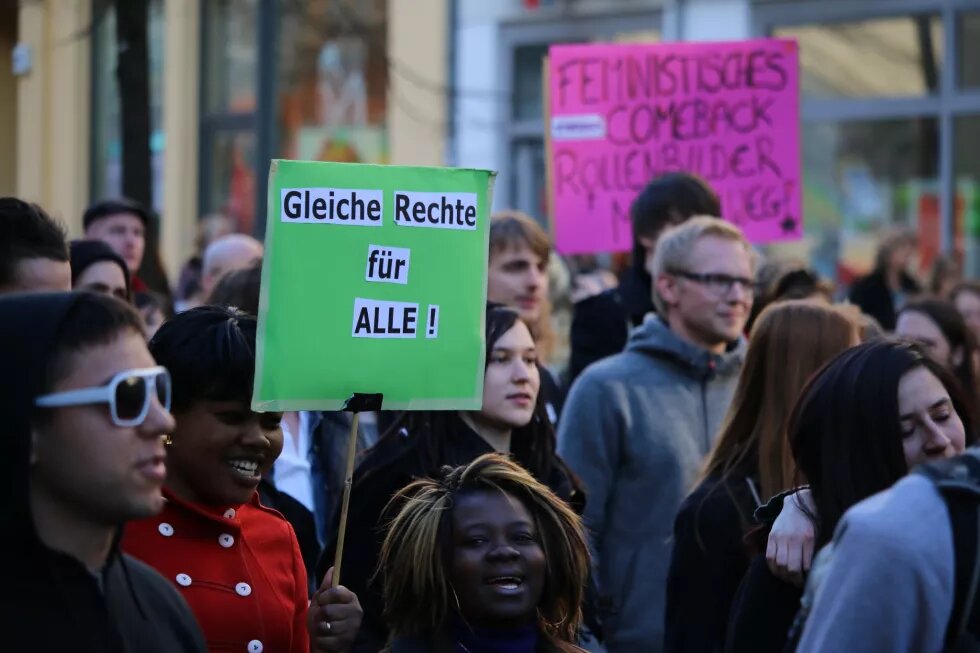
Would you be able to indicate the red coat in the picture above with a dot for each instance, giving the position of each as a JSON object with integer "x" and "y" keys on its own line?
{"x": 238, "y": 567}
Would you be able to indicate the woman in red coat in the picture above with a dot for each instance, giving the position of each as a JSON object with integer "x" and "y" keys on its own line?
{"x": 236, "y": 562}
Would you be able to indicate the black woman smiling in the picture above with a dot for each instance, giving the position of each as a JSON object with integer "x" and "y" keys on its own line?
{"x": 487, "y": 559}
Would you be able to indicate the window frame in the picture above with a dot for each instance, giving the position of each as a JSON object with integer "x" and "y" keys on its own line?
{"x": 516, "y": 33}
{"x": 945, "y": 106}
{"x": 261, "y": 121}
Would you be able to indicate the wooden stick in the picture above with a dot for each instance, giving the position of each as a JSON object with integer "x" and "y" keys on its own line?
{"x": 345, "y": 502}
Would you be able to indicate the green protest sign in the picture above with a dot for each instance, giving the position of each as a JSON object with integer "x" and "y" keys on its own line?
{"x": 374, "y": 280}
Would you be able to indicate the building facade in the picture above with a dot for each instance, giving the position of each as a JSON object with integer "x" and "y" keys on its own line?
{"x": 233, "y": 84}
{"x": 890, "y": 102}
{"x": 890, "y": 107}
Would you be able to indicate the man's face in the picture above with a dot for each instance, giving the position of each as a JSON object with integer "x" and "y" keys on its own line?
{"x": 85, "y": 465}
{"x": 517, "y": 277}
{"x": 39, "y": 275}
{"x": 124, "y": 233}
{"x": 712, "y": 311}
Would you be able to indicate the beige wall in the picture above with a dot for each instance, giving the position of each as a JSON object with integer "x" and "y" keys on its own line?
{"x": 53, "y": 108}
{"x": 180, "y": 124}
{"x": 418, "y": 41}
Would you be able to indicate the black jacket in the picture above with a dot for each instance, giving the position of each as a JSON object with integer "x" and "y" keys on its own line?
{"x": 445, "y": 645}
{"x": 872, "y": 296}
{"x": 552, "y": 395}
{"x": 329, "y": 456}
{"x": 601, "y": 323}
{"x": 393, "y": 463}
{"x": 707, "y": 564}
{"x": 763, "y": 612}
{"x": 53, "y": 603}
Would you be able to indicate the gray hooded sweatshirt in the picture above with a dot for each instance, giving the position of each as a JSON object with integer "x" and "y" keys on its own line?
{"x": 636, "y": 428}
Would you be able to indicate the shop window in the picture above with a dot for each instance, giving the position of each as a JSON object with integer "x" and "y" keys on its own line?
{"x": 332, "y": 85}
{"x": 229, "y": 70}
{"x": 526, "y": 184}
{"x": 231, "y": 191}
{"x": 860, "y": 179}
{"x": 881, "y": 57}
{"x": 231, "y": 56}
{"x": 967, "y": 207}
{"x": 968, "y": 49}
{"x": 106, "y": 145}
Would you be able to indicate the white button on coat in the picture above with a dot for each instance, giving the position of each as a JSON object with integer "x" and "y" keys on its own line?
{"x": 255, "y": 646}
{"x": 165, "y": 529}
{"x": 243, "y": 589}
{"x": 230, "y": 513}
{"x": 183, "y": 580}
{"x": 226, "y": 540}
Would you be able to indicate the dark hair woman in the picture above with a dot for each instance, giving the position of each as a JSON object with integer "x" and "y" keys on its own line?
{"x": 966, "y": 298}
{"x": 882, "y": 292}
{"x": 236, "y": 562}
{"x": 861, "y": 424}
{"x": 943, "y": 334}
{"x": 485, "y": 559}
{"x": 511, "y": 421}
{"x": 750, "y": 460}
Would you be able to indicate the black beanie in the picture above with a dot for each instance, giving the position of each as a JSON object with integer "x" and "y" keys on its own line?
{"x": 106, "y": 208}
{"x": 86, "y": 252}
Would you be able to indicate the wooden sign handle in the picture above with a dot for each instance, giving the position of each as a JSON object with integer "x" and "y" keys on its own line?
{"x": 345, "y": 502}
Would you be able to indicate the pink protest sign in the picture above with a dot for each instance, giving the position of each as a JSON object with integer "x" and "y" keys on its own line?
{"x": 621, "y": 115}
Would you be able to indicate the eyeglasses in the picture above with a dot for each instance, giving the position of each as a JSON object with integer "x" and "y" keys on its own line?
{"x": 129, "y": 395}
{"x": 717, "y": 283}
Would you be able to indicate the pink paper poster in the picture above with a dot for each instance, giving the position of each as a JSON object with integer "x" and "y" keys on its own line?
{"x": 623, "y": 114}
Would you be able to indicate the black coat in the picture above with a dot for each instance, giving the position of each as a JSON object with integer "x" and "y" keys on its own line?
{"x": 53, "y": 603}
{"x": 552, "y": 395}
{"x": 601, "y": 323}
{"x": 445, "y": 645}
{"x": 763, "y": 612}
{"x": 708, "y": 561}
{"x": 329, "y": 453}
{"x": 393, "y": 463}
{"x": 872, "y": 296}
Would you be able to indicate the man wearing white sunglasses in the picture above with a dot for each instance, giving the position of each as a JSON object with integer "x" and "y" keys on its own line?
{"x": 85, "y": 414}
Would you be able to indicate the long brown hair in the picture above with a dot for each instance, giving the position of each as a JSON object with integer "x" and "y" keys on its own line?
{"x": 790, "y": 341}
{"x": 419, "y": 597}
{"x": 511, "y": 229}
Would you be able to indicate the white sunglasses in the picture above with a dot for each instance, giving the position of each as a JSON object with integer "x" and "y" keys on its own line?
{"x": 129, "y": 395}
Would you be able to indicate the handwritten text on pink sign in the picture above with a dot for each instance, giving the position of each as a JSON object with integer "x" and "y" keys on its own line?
{"x": 624, "y": 114}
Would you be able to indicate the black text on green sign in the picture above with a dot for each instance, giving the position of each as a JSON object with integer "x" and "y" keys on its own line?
{"x": 333, "y": 206}
{"x": 384, "y": 319}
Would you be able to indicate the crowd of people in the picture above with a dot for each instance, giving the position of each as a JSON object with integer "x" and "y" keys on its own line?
{"x": 737, "y": 456}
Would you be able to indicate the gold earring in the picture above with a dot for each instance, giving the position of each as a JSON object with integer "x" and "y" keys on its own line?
{"x": 167, "y": 441}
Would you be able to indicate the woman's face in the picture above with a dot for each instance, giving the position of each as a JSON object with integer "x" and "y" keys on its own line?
{"x": 931, "y": 429}
{"x": 498, "y": 563}
{"x": 968, "y": 304}
{"x": 104, "y": 277}
{"x": 920, "y": 328}
{"x": 511, "y": 381}
{"x": 221, "y": 450}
